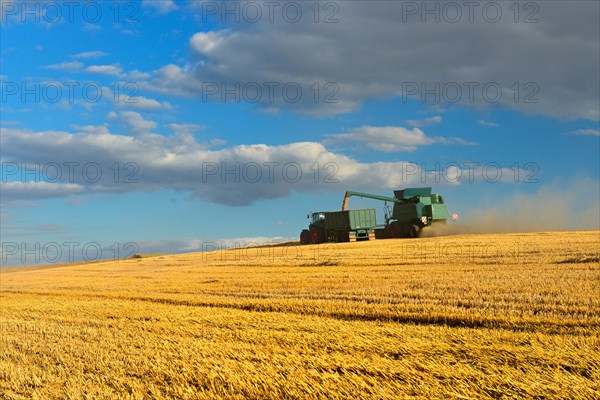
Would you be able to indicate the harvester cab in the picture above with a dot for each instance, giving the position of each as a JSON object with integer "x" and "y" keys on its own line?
{"x": 387, "y": 211}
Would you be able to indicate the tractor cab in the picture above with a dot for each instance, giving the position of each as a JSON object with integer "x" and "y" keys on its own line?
{"x": 318, "y": 217}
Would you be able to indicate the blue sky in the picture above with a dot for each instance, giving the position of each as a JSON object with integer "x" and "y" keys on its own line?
{"x": 177, "y": 92}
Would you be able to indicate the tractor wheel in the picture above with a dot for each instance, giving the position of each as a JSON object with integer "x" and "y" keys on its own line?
{"x": 395, "y": 230}
{"x": 413, "y": 231}
{"x": 315, "y": 236}
{"x": 305, "y": 237}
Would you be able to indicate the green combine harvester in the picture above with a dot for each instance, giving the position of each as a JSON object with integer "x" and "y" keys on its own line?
{"x": 408, "y": 212}
{"x": 413, "y": 209}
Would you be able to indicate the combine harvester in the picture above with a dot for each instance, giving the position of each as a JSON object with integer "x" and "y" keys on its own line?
{"x": 413, "y": 209}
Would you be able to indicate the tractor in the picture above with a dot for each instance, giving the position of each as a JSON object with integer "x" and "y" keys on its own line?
{"x": 340, "y": 226}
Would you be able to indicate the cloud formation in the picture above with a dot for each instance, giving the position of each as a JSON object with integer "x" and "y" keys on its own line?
{"x": 487, "y": 123}
{"x": 549, "y": 67}
{"x": 236, "y": 175}
{"x": 70, "y": 66}
{"x": 392, "y": 138}
{"x": 160, "y": 7}
{"x": 89, "y": 54}
{"x": 418, "y": 123}
{"x": 133, "y": 121}
{"x": 587, "y": 132}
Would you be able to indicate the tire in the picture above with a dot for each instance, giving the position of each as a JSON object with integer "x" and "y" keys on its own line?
{"x": 337, "y": 236}
{"x": 341, "y": 237}
{"x": 395, "y": 230}
{"x": 305, "y": 237}
{"x": 315, "y": 236}
{"x": 413, "y": 231}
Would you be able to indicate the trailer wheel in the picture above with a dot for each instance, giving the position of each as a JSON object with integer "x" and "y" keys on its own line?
{"x": 337, "y": 236}
{"x": 305, "y": 237}
{"x": 413, "y": 231}
{"x": 342, "y": 236}
{"x": 395, "y": 230}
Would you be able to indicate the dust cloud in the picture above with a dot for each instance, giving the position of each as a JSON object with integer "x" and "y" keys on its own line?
{"x": 575, "y": 206}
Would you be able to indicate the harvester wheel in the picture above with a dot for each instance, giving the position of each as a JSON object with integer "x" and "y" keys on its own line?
{"x": 395, "y": 230}
{"x": 413, "y": 231}
{"x": 305, "y": 237}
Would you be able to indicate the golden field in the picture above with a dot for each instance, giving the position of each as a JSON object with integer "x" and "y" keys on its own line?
{"x": 464, "y": 317}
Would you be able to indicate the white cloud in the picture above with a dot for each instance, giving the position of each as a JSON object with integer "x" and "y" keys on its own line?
{"x": 134, "y": 121}
{"x": 390, "y": 138}
{"x": 38, "y": 190}
{"x": 161, "y": 7}
{"x": 175, "y": 80}
{"x": 92, "y": 129}
{"x": 587, "y": 132}
{"x": 71, "y": 66}
{"x": 117, "y": 71}
{"x": 487, "y": 123}
{"x": 113, "y": 70}
{"x": 137, "y": 75}
{"x": 7, "y": 122}
{"x": 180, "y": 164}
{"x": 418, "y": 123}
{"x": 207, "y": 42}
{"x": 185, "y": 128}
{"x": 142, "y": 103}
{"x": 89, "y": 54}
{"x": 235, "y": 175}
{"x": 126, "y": 31}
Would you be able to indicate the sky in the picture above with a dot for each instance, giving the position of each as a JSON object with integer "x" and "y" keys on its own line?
{"x": 168, "y": 127}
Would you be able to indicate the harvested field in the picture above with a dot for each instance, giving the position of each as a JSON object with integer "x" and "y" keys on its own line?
{"x": 466, "y": 316}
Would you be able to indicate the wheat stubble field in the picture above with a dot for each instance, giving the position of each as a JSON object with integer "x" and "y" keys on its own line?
{"x": 471, "y": 316}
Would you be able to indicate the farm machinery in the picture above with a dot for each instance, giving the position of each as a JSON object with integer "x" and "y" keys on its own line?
{"x": 406, "y": 214}
{"x": 340, "y": 226}
{"x": 409, "y": 211}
